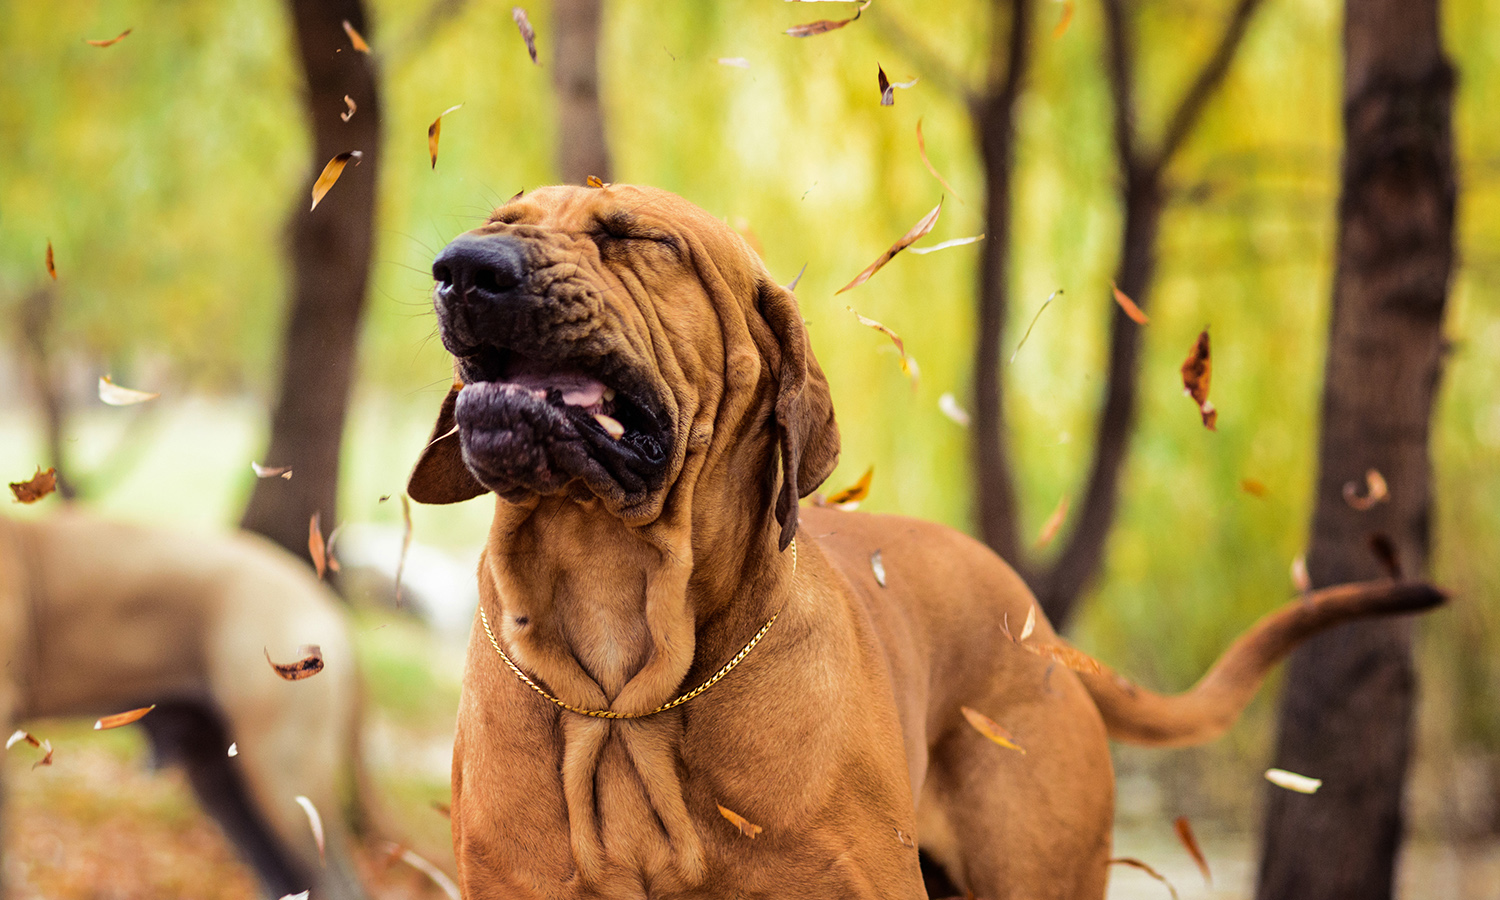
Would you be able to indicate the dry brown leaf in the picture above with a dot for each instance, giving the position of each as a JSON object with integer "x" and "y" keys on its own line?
{"x": 405, "y": 543}
{"x": 991, "y": 729}
{"x": 1185, "y": 834}
{"x": 1254, "y": 488}
{"x": 349, "y": 102}
{"x": 1053, "y": 523}
{"x": 1064, "y": 20}
{"x": 435, "y": 129}
{"x": 1128, "y": 306}
{"x": 594, "y": 181}
{"x": 116, "y": 395}
{"x": 887, "y": 93}
{"x": 43, "y": 745}
{"x": 855, "y": 492}
{"x": 1197, "y": 372}
{"x": 528, "y": 34}
{"x": 315, "y": 546}
{"x": 124, "y": 718}
{"x": 443, "y": 809}
{"x": 309, "y": 665}
{"x": 747, "y": 828}
{"x": 1071, "y": 657}
{"x": 331, "y": 173}
{"x": 908, "y": 365}
{"x": 877, "y": 565}
{"x": 355, "y": 38}
{"x": 917, "y": 232}
{"x": 1137, "y": 864}
{"x": 315, "y": 822}
{"x": 40, "y": 485}
{"x": 823, "y": 26}
{"x": 109, "y": 42}
{"x": 922, "y": 149}
{"x": 51, "y": 263}
{"x": 1302, "y": 784}
{"x": 1384, "y": 550}
{"x": 1376, "y": 491}
{"x": 271, "y": 471}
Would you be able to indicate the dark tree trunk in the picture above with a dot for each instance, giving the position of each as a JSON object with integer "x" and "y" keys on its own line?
{"x": 330, "y": 249}
{"x": 1347, "y": 710}
{"x": 581, "y": 148}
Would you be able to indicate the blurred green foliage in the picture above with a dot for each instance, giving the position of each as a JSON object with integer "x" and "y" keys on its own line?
{"x": 163, "y": 168}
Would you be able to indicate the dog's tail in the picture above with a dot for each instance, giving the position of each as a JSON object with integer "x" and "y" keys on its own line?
{"x": 1208, "y": 708}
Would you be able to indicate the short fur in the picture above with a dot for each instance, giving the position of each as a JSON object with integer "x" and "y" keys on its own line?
{"x": 840, "y": 735}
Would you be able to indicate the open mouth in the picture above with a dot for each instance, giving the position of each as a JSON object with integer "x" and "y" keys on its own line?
{"x": 534, "y": 424}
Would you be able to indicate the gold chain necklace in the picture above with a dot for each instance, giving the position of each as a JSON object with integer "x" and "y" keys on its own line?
{"x": 671, "y": 704}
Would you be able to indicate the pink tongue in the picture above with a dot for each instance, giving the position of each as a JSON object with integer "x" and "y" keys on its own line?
{"x": 577, "y": 388}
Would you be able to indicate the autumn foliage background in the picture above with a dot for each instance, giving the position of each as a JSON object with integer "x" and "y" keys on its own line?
{"x": 163, "y": 169}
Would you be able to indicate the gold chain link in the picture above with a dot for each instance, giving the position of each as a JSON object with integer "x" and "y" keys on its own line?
{"x": 671, "y": 704}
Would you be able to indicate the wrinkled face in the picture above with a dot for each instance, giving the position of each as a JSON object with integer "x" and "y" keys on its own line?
{"x": 561, "y": 312}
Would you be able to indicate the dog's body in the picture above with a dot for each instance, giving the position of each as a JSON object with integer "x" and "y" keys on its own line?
{"x": 102, "y": 617}
{"x": 643, "y": 399}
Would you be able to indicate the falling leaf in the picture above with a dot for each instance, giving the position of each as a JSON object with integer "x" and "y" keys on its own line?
{"x": 315, "y": 546}
{"x": 527, "y": 33}
{"x": 1053, "y": 523}
{"x": 611, "y": 426}
{"x": 1071, "y": 657}
{"x": 956, "y": 242}
{"x": 738, "y": 62}
{"x": 1137, "y": 864}
{"x": 1254, "y": 488}
{"x": 917, "y": 232}
{"x": 1040, "y": 309}
{"x": 854, "y": 492}
{"x": 922, "y": 149}
{"x": 1030, "y": 624}
{"x": 436, "y": 875}
{"x": 1384, "y": 550}
{"x": 329, "y": 556}
{"x": 124, "y": 718}
{"x": 355, "y": 39}
{"x": 991, "y": 729}
{"x": 443, "y": 809}
{"x": 949, "y": 405}
{"x": 301, "y": 896}
{"x": 315, "y": 822}
{"x": 349, "y": 102}
{"x": 908, "y": 365}
{"x": 115, "y": 395}
{"x": 887, "y": 93}
{"x": 234, "y": 749}
{"x": 1376, "y": 491}
{"x": 823, "y": 26}
{"x": 43, "y": 745}
{"x": 109, "y": 42}
{"x": 905, "y": 839}
{"x": 1064, "y": 20}
{"x": 435, "y": 129}
{"x": 40, "y": 485}
{"x": 331, "y": 173}
{"x": 795, "y": 281}
{"x": 594, "y": 181}
{"x": 1185, "y": 834}
{"x": 51, "y": 263}
{"x": 1197, "y": 371}
{"x": 405, "y": 543}
{"x": 747, "y": 828}
{"x": 1300, "y": 579}
{"x": 1302, "y": 784}
{"x": 1128, "y": 306}
{"x": 877, "y": 565}
{"x": 309, "y": 665}
{"x": 271, "y": 471}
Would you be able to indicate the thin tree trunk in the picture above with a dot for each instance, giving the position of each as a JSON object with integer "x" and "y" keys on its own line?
{"x": 330, "y": 249}
{"x": 1347, "y": 710}
{"x": 581, "y": 148}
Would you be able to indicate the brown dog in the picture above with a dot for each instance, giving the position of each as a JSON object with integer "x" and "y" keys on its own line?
{"x": 99, "y": 617}
{"x": 642, "y": 398}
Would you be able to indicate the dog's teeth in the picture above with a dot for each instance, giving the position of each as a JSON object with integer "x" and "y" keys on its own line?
{"x": 614, "y": 429}
{"x": 609, "y": 394}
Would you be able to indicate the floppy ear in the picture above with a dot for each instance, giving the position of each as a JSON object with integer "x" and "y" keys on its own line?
{"x": 440, "y": 475}
{"x": 805, "y": 430}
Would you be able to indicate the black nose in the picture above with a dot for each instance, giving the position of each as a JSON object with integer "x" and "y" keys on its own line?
{"x": 478, "y": 268}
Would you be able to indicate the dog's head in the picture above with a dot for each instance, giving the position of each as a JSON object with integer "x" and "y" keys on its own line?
{"x": 603, "y": 335}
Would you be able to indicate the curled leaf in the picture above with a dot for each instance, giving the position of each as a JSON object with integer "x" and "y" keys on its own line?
{"x": 309, "y": 665}
{"x": 115, "y": 395}
{"x": 854, "y": 492}
{"x": 316, "y": 548}
{"x": 124, "y": 718}
{"x": 355, "y": 38}
{"x": 528, "y": 34}
{"x": 747, "y": 828}
{"x": 315, "y": 822}
{"x": 1137, "y": 864}
{"x": 271, "y": 471}
{"x": 109, "y": 42}
{"x": 877, "y": 565}
{"x": 40, "y": 485}
{"x": 955, "y": 242}
{"x": 1197, "y": 371}
{"x": 922, "y": 149}
{"x": 823, "y": 26}
{"x": 331, "y": 173}
{"x": 1128, "y": 306}
{"x": 349, "y": 102}
{"x": 51, "y": 263}
{"x": 1302, "y": 784}
{"x": 917, "y": 232}
{"x": 435, "y": 129}
{"x": 950, "y": 407}
{"x": 908, "y": 365}
{"x": 1376, "y": 491}
{"x": 1185, "y": 834}
{"x": 43, "y": 745}
{"x": 1053, "y": 523}
{"x": 991, "y": 729}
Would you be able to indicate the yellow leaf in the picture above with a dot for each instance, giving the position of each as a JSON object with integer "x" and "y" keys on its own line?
{"x": 991, "y": 729}
{"x": 747, "y": 828}
{"x": 331, "y": 173}
{"x": 124, "y": 718}
{"x": 918, "y": 231}
{"x": 435, "y": 129}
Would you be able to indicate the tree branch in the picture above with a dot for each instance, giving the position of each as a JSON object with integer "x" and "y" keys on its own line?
{"x": 1120, "y": 62}
{"x": 1210, "y": 77}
